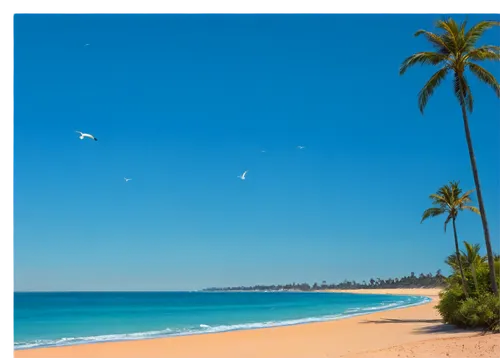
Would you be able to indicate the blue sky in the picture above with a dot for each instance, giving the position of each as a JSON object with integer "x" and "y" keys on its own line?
{"x": 183, "y": 104}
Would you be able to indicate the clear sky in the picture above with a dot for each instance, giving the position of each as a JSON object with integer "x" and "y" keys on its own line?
{"x": 183, "y": 104}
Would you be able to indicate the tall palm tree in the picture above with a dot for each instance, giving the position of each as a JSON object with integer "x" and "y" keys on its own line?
{"x": 455, "y": 52}
{"x": 473, "y": 260}
{"x": 450, "y": 200}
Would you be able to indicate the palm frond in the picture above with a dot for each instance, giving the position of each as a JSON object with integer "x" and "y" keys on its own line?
{"x": 447, "y": 221}
{"x": 469, "y": 100}
{"x": 451, "y": 261}
{"x": 487, "y": 52}
{"x": 485, "y": 77}
{"x": 431, "y": 212}
{"x": 476, "y": 31}
{"x": 461, "y": 35}
{"x": 463, "y": 25}
{"x": 462, "y": 91}
{"x": 437, "y": 200}
{"x": 450, "y": 33}
{"x": 462, "y": 201}
{"x": 423, "y": 58}
{"x": 436, "y": 41}
{"x": 471, "y": 208}
{"x": 471, "y": 254}
{"x": 466, "y": 196}
{"x": 448, "y": 192}
{"x": 427, "y": 91}
{"x": 455, "y": 190}
{"x": 472, "y": 248}
{"x": 436, "y": 197}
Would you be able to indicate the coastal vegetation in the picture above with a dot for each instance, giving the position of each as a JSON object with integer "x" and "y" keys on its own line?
{"x": 468, "y": 299}
{"x": 481, "y": 308}
{"x": 412, "y": 281}
{"x": 455, "y": 52}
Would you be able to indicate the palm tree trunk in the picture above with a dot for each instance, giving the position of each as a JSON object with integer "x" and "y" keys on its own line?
{"x": 491, "y": 262}
{"x": 457, "y": 251}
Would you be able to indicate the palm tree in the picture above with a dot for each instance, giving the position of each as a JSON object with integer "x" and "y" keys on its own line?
{"x": 473, "y": 260}
{"x": 448, "y": 200}
{"x": 455, "y": 52}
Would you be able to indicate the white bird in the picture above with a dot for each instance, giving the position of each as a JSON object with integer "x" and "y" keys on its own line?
{"x": 83, "y": 135}
{"x": 86, "y": 45}
{"x": 300, "y": 147}
{"x": 242, "y": 177}
{"x": 127, "y": 179}
{"x": 263, "y": 151}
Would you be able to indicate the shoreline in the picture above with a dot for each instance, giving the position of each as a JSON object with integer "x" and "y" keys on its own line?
{"x": 345, "y": 337}
{"x": 105, "y": 338}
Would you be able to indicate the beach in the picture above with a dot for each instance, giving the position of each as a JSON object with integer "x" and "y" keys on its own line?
{"x": 406, "y": 332}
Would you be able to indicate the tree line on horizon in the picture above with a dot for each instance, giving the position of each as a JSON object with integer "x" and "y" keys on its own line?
{"x": 412, "y": 281}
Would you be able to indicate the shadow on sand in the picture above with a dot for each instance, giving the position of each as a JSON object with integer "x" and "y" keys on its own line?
{"x": 431, "y": 325}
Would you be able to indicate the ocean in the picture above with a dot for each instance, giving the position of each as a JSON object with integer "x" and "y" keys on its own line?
{"x": 66, "y": 318}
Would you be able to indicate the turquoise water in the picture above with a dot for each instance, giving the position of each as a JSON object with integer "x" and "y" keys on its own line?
{"x": 56, "y": 319}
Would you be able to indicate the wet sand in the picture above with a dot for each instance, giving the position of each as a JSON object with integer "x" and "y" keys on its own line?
{"x": 407, "y": 332}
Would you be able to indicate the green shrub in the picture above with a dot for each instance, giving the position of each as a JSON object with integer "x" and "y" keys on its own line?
{"x": 482, "y": 308}
{"x": 483, "y": 278}
{"x": 482, "y": 311}
{"x": 449, "y": 305}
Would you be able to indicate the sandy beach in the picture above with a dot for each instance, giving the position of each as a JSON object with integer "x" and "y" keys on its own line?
{"x": 407, "y": 332}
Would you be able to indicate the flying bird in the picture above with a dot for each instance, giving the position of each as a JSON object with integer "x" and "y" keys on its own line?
{"x": 242, "y": 177}
{"x": 86, "y": 45}
{"x": 300, "y": 147}
{"x": 83, "y": 135}
{"x": 127, "y": 179}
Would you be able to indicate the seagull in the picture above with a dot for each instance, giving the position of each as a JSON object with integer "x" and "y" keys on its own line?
{"x": 300, "y": 147}
{"x": 242, "y": 177}
{"x": 127, "y": 179}
{"x": 83, "y": 135}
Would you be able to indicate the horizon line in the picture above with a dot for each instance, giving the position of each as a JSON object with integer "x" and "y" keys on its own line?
{"x": 96, "y": 291}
